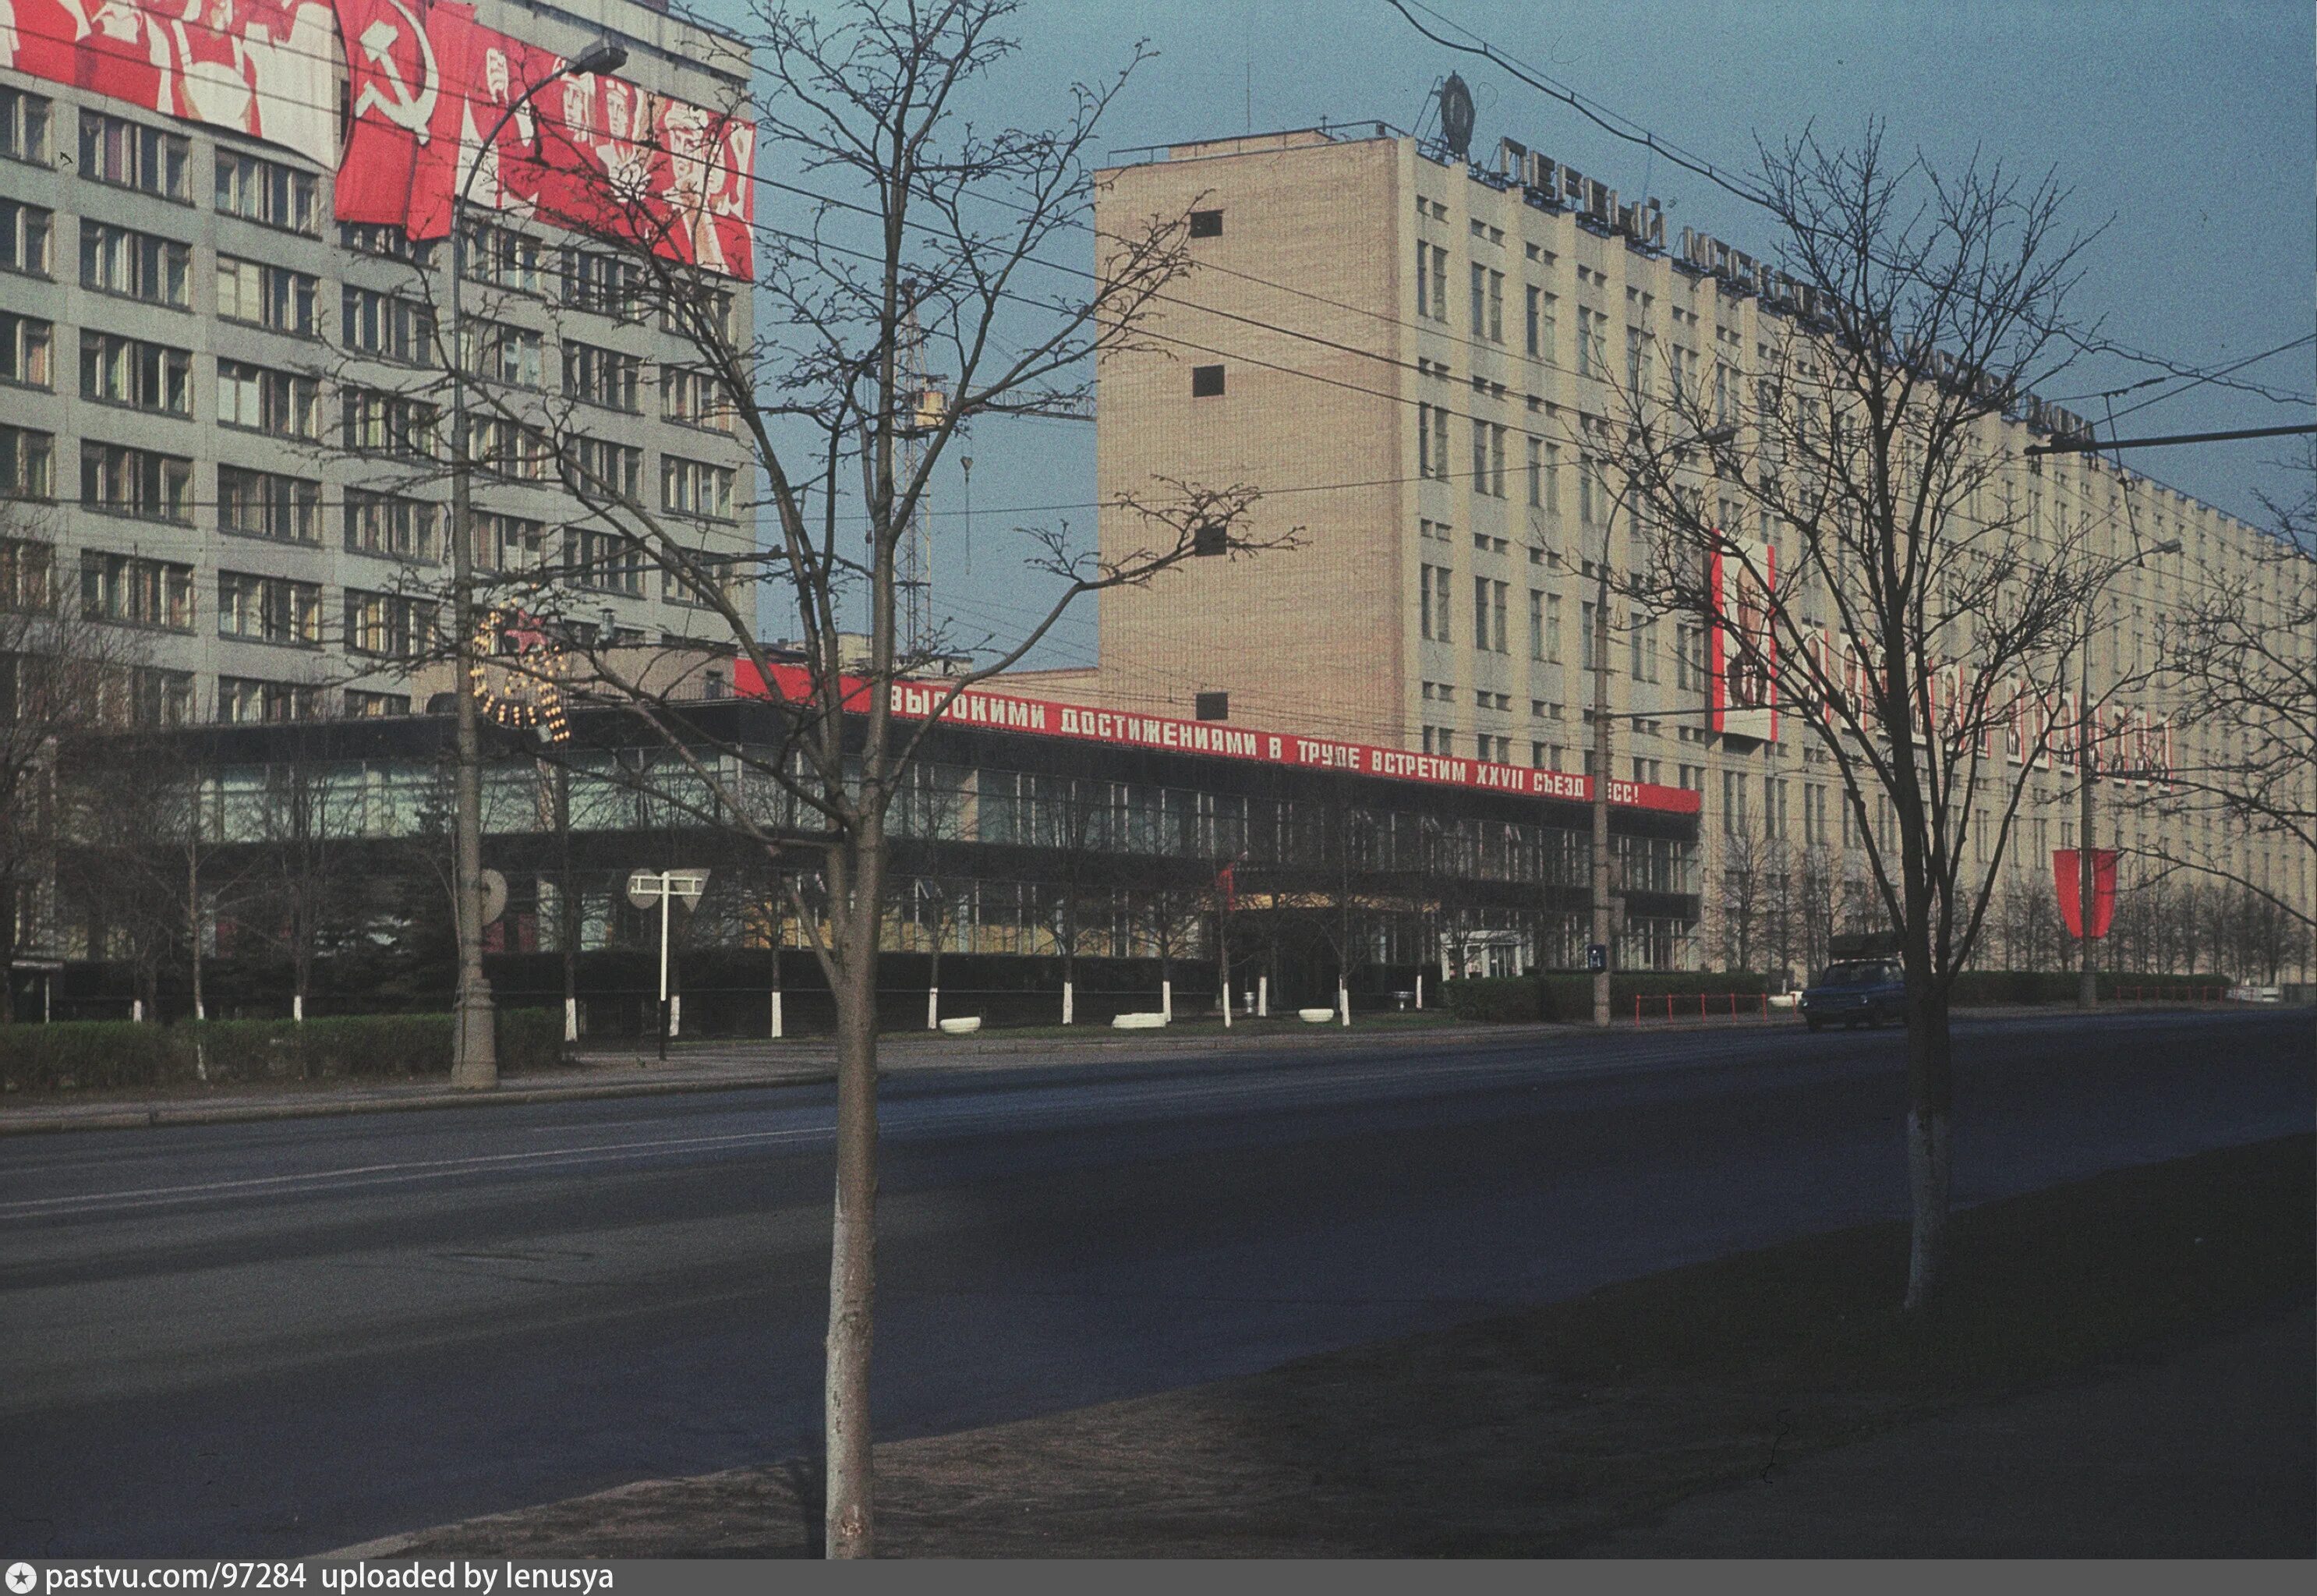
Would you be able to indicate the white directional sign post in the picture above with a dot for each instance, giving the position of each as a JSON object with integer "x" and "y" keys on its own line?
{"x": 646, "y": 887}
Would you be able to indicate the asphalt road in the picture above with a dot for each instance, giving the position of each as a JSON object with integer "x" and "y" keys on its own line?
{"x": 260, "y": 1339}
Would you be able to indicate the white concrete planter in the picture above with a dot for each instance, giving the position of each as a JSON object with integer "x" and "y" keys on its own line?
{"x": 962, "y": 1026}
{"x": 1150, "y": 1019}
{"x": 1783, "y": 1000}
{"x": 1315, "y": 1017}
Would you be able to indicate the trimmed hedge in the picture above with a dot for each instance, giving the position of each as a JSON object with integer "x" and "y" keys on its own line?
{"x": 1569, "y": 998}
{"x": 1976, "y": 988}
{"x": 1500, "y": 998}
{"x": 102, "y": 1054}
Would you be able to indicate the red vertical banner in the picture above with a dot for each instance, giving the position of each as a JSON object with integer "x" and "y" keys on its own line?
{"x": 2067, "y": 874}
{"x": 1740, "y": 638}
{"x": 426, "y": 83}
{"x": 396, "y": 92}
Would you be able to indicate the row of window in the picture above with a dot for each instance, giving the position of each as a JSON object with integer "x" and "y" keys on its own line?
{"x": 379, "y": 326}
{"x": 1541, "y": 324}
{"x": 150, "y": 485}
{"x": 151, "y": 592}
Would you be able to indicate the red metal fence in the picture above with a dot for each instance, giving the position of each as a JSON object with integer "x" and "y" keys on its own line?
{"x": 1666, "y": 1006}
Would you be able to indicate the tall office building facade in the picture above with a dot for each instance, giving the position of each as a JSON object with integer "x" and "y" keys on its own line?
{"x": 1405, "y": 352}
{"x": 223, "y": 417}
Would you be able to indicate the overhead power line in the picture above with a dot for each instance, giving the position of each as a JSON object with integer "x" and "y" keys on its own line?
{"x": 1634, "y": 132}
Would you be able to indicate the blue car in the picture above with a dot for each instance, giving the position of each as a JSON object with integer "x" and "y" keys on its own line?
{"x": 1856, "y": 992}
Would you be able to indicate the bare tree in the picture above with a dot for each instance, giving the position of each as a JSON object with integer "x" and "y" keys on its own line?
{"x": 2244, "y": 649}
{"x": 930, "y": 243}
{"x": 309, "y": 897}
{"x": 139, "y": 856}
{"x": 1742, "y": 903}
{"x": 1865, "y": 547}
{"x": 62, "y": 678}
{"x": 1816, "y": 891}
{"x": 1167, "y": 923}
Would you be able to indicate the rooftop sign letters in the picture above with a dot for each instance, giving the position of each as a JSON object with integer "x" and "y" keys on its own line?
{"x": 914, "y": 701}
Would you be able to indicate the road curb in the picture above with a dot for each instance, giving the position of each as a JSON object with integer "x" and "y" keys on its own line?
{"x": 33, "y": 1124}
{"x": 27, "y": 1124}
{"x": 252, "y": 1113}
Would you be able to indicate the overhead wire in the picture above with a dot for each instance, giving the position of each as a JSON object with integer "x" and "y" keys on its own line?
{"x": 1633, "y": 131}
{"x": 1636, "y": 132}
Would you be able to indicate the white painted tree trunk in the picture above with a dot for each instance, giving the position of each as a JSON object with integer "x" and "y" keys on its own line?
{"x": 1167, "y": 1001}
{"x": 675, "y": 1016}
{"x": 297, "y": 1007}
{"x": 1263, "y": 996}
{"x": 933, "y": 1009}
{"x": 1227, "y": 995}
{"x": 571, "y": 1020}
{"x": 779, "y": 1030}
{"x": 1419, "y": 990}
{"x": 137, "y": 1010}
{"x": 1343, "y": 1003}
{"x": 1067, "y": 1009}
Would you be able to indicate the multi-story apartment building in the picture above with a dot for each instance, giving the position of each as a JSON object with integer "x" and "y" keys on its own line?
{"x": 1402, "y": 350}
{"x": 225, "y": 431}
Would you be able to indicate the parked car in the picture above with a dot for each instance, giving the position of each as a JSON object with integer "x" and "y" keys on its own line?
{"x": 1855, "y": 991}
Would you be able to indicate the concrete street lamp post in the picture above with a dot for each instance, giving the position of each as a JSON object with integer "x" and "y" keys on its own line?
{"x": 474, "y": 1046}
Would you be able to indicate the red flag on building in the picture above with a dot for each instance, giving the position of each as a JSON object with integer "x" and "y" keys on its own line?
{"x": 1227, "y": 883}
{"x": 2067, "y": 873}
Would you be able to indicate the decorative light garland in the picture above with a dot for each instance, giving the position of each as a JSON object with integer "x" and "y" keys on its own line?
{"x": 524, "y": 698}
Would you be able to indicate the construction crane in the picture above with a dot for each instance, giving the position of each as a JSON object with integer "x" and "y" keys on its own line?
{"x": 924, "y": 405}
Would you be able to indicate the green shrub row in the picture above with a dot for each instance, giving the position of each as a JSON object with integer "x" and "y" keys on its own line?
{"x": 1568, "y": 998}
{"x": 1976, "y": 988}
{"x": 100, "y": 1054}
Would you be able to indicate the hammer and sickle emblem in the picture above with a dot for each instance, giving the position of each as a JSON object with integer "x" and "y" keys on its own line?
{"x": 405, "y": 108}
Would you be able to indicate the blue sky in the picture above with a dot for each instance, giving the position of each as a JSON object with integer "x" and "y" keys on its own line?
{"x": 2189, "y": 131}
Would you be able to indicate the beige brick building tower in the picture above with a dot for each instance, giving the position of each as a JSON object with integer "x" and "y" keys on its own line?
{"x": 1404, "y": 353}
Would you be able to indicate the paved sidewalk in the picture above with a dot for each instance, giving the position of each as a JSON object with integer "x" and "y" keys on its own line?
{"x": 2206, "y": 1452}
{"x": 698, "y": 1068}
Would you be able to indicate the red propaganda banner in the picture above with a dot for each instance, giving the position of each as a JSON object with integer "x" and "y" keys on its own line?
{"x": 265, "y": 68}
{"x": 1742, "y": 666}
{"x": 914, "y": 701}
{"x": 426, "y": 82}
{"x": 2067, "y": 874}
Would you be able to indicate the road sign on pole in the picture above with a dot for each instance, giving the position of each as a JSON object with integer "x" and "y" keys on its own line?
{"x": 648, "y": 887}
{"x": 1596, "y": 956}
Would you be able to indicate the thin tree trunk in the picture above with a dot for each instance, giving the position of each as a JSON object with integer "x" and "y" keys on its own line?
{"x": 1930, "y": 1103}
{"x": 933, "y": 979}
{"x": 194, "y": 895}
{"x": 7, "y": 953}
{"x": 851, "y": 1503}
{"x": 567, "y": 908}
{"x": 779, "y": 914}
